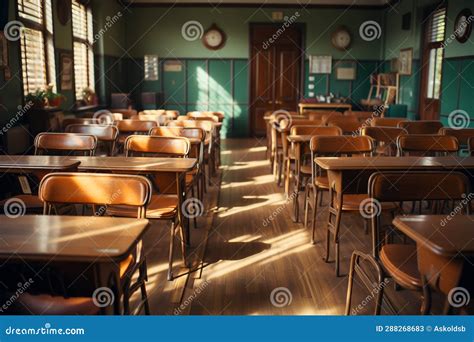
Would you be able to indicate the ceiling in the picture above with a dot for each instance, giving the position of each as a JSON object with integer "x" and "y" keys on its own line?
{"x": 348, "y": 3}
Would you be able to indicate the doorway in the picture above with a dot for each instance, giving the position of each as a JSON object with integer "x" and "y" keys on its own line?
{"x": 276, "y": 55}
{"x": 432, "y": 63}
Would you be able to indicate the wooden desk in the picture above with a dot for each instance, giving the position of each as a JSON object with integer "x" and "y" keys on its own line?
{"x": 445, "y": 251}
{"x": 135, "y": 164}
{"x": 17, "y": 164}
{"x": 323, "y": 106}
{"x": 299, "y": 138}
{"x": 82, "y": 252}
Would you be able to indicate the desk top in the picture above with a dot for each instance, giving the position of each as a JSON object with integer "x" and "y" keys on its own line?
{"x": 18, "y": 163}
{"x": 135, "y": 164}
{"x": 324, "y": 105}
{"x": 448, "y": 238}
{"x": 378, "y": 163}
{"x": 69, "y": 238}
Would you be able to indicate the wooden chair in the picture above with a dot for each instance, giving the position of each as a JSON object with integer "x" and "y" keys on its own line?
{"x": 427, "y": 145}
{"x": 288, "y": 157}
{"x": 164, "y": 202}
{"x": 421, "y": 127}
{"x": 106, "y": 134}
{"x": 97, "y": 190}
{"x": 303, "y": 165}
{"x": 196, "y": 177}
{"x": 209, "y": 141}
{"x": 65, "y": 143}
{"x": 362, "y": 116}
{"x": 349, "y": 125}
{"x": 133, "y": 127}
{"x": 338, "y": 203}
{"x": 385, "y": 139}
{"x": 216, "y": 132}
{"x": 397, "y": 260}
{"x": 462, "y": 135}
{"x": 387, "y": 122}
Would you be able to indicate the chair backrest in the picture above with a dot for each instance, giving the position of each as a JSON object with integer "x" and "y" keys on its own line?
{"x": 186, "y": 132}
{"x": 220, "y": 115}
{"x": 315, "y": 130}
{"x": 414, "y": 186}
{"x": 361, "y": 115}
{"x": 329, "y": 116}
{"x": 384, "y": 136}
{"x": 102, "y": 132}
{"x": 421, "y": 127}
{"x": 316, "y": 114}
{"x": 341, "y": 145}
{"x": 426, "y": 144}
{"x": 287, "y": 124}
{"x": 196, "y": 115}
{"x": 95, "y": 189}
{"x": 135, "y": 126}
{"x": 127, "y": 113}
{"x": 51, "y": 143}
{"x": 177, "y": 147}
{"x": 462, "y": 135}
{"x": 386, "y": 122}
{"x": 160, "y": 119}
{"x": 348, "y": 124}
{"x": 208, "y": 126}
{"x": 79, "y": 121}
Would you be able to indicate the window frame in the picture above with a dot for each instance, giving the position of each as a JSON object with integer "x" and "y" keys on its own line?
{"x": 43, "y": 29}
{"x": 89, "y": 47}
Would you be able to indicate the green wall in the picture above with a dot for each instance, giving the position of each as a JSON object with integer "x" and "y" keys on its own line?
{"x": 219, "y": 79}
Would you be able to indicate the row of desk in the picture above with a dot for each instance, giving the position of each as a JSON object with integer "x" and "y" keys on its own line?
{"x": 444, "y": 253}
{"x": 89, "y": 248}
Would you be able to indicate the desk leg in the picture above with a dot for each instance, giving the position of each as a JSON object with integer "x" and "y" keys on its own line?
{"x": 109, "y": 290}
{"x": 183, "y": 221}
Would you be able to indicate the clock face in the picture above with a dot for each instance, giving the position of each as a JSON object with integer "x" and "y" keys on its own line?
{"x": 341, "y": 39}
{"x": 214, "y": 38}
{"x": 463, "y": 25}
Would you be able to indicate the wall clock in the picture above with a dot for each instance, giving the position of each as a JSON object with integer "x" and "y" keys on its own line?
{"x": 463, "y": 25}
{"x": 214, "y": 38}
{"x": 341, "y": 38}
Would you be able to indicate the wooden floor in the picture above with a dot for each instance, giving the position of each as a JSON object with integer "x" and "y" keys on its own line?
{"x": 255, "y": 260}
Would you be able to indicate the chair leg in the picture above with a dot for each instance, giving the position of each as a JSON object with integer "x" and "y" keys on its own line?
{"x": 336, "y": 239}
{"x": 286, "y": 175}
{"x": 305, "y": 205}
{"x": 316, "y": 194}
{"x": 194, "y": 218}
{"x": 170, "y": 255}
{"x": 183, "y": 245}
{"x": 280, "y": 169}
{"x": 144, "y": 276}
{"x": 426, "y": 304}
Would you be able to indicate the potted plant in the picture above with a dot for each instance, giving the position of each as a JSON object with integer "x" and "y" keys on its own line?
{"x": 38, "y": 99}
{"x": 54, "y": 99}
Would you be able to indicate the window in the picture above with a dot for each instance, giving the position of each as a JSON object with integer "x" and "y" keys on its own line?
{"x": 83, "y": 54}
{"x": 37, "y": 47}
{"x": 434, "y": 41}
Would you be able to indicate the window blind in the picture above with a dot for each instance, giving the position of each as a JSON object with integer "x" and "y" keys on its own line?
{"x": 437, "y": 26}
{"x": 82, "y": 29}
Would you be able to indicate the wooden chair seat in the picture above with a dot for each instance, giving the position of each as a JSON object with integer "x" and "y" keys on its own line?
{"x": 160, "y": 207}
{"x": 55, "y": 305}
{"x": 125, "y": 265}
{"x": 400, "y": 261}
{"x": 322, "y": 182}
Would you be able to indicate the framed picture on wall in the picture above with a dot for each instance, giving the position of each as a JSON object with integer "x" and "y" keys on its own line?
{"x": 3, "y": 51}
{"x": 405, "y": 62}
{"x": 66, "y": 70}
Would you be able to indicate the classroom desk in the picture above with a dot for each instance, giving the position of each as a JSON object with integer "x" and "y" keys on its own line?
{"x": 350, "y": 174}
{"x": 323, "y": 106}
{"x": 25, "y": 164}
{"x": 68, "y": 254}
{"x": 445, "y": 252}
